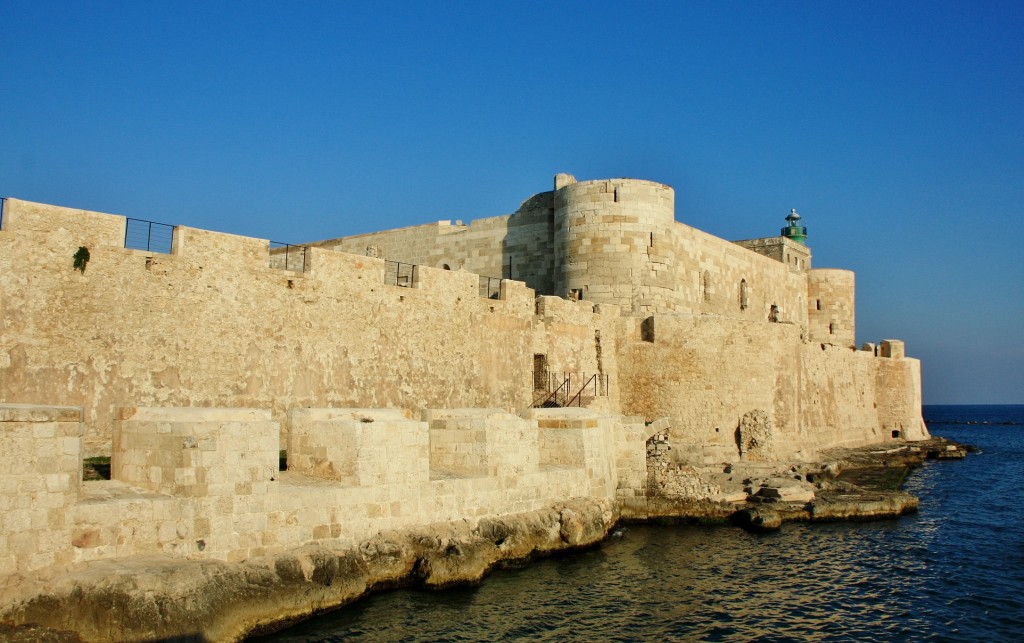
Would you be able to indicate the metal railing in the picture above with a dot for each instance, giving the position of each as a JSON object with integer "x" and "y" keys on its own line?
{"x": 552, "y": 399}
{"x": 401, "y": 274}
{"x": 148, "y": 235}
{"x": 559, "y": 387}
{"x": 3, "y": 206}
{"x": 285, "y": 256}
{"x": 578, "y": 398}
{"x": 490, "y": 287}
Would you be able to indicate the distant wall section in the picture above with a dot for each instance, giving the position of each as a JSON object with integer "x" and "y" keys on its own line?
{"x": 706, "y": 373}
{"x": 516, "y": 246}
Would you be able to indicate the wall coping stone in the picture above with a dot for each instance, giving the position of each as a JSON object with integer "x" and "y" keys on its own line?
{"x": 39, "y": 413}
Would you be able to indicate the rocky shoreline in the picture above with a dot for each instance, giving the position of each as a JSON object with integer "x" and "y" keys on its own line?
{"x": 185, "y": 600}
{"x": 848, "y": 484}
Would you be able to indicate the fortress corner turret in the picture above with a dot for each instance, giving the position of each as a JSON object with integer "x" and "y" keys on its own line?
{"x": 613, "y": 242}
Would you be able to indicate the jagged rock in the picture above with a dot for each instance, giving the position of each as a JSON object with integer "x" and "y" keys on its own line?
{"x": 758, "y": 519}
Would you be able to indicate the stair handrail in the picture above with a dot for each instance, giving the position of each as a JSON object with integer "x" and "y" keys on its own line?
{"x": 554, "y": 394}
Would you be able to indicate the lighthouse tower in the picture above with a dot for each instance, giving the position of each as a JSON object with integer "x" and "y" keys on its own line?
{"x": 793, "y": 229}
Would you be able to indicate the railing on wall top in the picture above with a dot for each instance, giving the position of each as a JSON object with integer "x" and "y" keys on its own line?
{"x": 401, "y": 274}
{"x": 490, "y": 287}
{"x": 286, "y": 256}
{"x": 148, "y": 235}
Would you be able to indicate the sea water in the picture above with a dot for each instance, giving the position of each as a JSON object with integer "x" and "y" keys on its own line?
{"x": 952, "y": 571}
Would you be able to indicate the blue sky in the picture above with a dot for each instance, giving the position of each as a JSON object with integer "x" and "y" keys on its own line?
{"x": 894, "y": 129}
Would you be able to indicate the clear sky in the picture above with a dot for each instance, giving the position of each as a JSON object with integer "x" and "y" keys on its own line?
{"x": 894, "y": 128}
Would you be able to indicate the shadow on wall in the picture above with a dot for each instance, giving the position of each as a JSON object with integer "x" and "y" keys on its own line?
{"x": 527, "y": 249}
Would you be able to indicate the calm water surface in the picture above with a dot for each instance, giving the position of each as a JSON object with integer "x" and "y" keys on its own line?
{"x": 953, "y": 571}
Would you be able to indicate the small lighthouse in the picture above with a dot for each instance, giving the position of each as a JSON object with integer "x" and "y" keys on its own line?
{"x": 794, "y": 230}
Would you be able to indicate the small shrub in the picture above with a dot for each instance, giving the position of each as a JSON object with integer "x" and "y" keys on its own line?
{"x": 81, "y": 258}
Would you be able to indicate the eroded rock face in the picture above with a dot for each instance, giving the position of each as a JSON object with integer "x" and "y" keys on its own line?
{"x": 754, "y": 437}
{"x": 162, "y": 598}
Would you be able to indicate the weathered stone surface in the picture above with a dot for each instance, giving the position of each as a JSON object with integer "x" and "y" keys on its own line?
{"x": 161, "y": 597}
{"x": 787, "y": 493}
{"x": 754, "y": 436}
{"x": 862, "y": 506}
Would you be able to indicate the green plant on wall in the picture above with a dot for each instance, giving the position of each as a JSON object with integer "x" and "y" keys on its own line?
{"x": 81, "y": 258}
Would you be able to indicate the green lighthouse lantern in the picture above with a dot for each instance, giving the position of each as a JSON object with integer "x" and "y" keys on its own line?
{"x": 794, "y": 230}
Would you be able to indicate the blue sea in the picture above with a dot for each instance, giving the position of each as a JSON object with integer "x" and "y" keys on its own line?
{"x": 954, "y": 571}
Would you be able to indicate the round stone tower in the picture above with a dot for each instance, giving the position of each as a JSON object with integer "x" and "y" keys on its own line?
{"x": 613, "y": 242}
{"x": 830, "y": 312}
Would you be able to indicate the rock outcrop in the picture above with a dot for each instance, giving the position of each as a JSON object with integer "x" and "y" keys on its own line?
{"x": 851, "y": 484}
{"x": 170, "y": 598}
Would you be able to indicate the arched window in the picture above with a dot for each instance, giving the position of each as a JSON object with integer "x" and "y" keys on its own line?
{"x": 446, "y": 267}
{"x": 743, "y": 294}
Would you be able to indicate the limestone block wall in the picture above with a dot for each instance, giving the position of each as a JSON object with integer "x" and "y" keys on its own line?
{"x": 899, "y": 397}
{"x": 482, "y": 443}
{"x": 795, "y": 255}
{"x": 611, "y": 242}
{"x": 631, "y": 461}
{"x": 41, "y": 451}
{"x": 213, "y": 324}
{"x": 203, "y": 483}
{"x": 705, "y": 374}
{"x": 516, "y": 246}
{"x": 715, "y": 276}
{"x": 614, "y": 241}
{"x": 356, "y": 447}
{"x": 835, "y": 398}
{"x": 561, "y": 327}
{"x": 830, "y": 306}
{"x": 576, "y": 438}
{"x": 196, "y": 452}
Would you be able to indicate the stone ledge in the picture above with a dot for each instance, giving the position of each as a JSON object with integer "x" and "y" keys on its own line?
{"x": 39, "y": 413}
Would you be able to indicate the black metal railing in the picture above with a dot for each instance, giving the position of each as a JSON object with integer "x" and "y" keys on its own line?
{"x": 590, "y": 387}
{"x": 148, "y": 235}
{"x": 553, "y": 399}
{"x": 397, "y": 273}
{"x": 490, "y": 287}
{"x": 568, "y": 388}
{"x": 285, "y": 256}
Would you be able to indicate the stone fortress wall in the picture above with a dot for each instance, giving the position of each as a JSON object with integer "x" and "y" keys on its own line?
{"x": 212, "y": 324}
{"x": 830, "y": 306}
{"x": 202, "y": 483}
{"x": 613, "y": 241}
{"x": 404, "y": 404}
